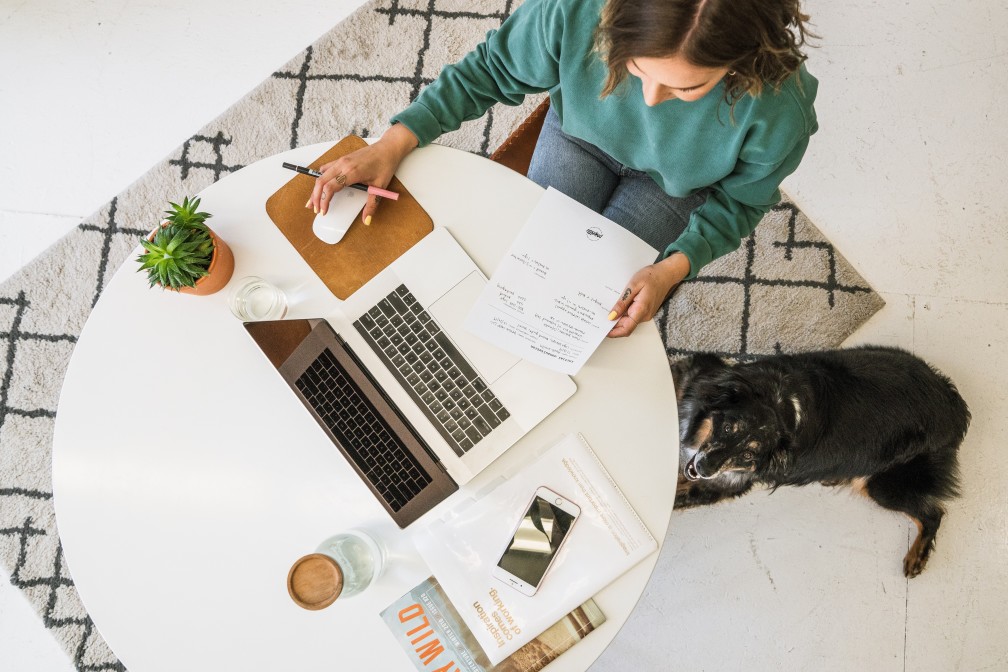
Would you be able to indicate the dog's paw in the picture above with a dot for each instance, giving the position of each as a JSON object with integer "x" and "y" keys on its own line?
{"x": 683, "y": 498}
{"x": 913, "y": 565}
{"x": 689, "y": 495}
{"x": 684, "y": 501}
{"x": 917, "y": 557}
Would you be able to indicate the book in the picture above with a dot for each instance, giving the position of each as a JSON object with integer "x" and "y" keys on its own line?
{"x": 435, "y": 638}
{"x": 463, "y": 546}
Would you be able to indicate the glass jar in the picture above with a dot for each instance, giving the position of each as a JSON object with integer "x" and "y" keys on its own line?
{"x": 342, "y": 566}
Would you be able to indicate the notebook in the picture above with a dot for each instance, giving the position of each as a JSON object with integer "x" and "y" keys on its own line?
{"x": 416, "y": 404}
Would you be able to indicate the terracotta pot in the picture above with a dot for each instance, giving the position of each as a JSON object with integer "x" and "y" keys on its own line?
{"x": 218, "y": 273}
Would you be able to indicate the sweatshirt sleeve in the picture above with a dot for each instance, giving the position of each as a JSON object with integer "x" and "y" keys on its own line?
{"x": 772, "y": 150}
{"x": 519, "y": 58}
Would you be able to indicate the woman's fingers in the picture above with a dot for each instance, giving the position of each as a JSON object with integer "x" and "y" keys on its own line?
{"x": 624, "y": 326}
{"x": 645, "y": 293}
{"x": 625, "y": 314}
{"x": 365, "y": 166}
{"x": 623, "y": 303}
{"x": 639, "y": 302}
{"x": 369, "y": 209}
{"x": 334, "y": 177}
{"x": 635, "y": 314}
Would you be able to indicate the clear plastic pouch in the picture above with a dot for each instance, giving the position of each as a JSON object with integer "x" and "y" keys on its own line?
{"x": 463, "y": 547}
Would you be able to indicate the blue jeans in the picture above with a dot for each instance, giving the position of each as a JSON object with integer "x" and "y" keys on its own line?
{"x": 626, "y": 196}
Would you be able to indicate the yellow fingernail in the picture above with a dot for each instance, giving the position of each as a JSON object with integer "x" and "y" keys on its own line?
{"x": 316, "y": 211}
{"x": 308, "y": 204}
{"x": 612, "y": 316}
{"x": 367, "y": 221}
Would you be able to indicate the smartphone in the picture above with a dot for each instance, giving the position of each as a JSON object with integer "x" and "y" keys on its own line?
{"x": 536, "y": 540}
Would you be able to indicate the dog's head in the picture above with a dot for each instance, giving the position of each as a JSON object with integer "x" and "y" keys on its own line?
{"x": 734, "y": 422}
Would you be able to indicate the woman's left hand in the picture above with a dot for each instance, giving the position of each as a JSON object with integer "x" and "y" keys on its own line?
{"x": 645, "y": 293}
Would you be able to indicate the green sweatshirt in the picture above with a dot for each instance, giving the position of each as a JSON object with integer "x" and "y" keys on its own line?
{"x": 547, "y": 45}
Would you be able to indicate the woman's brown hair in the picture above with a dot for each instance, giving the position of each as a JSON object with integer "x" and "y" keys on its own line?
{"x": 759, "y": 41}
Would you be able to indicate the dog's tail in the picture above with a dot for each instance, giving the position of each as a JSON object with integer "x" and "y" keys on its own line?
{"x": 962, "y": 412}
{"x": 958, "y": 417}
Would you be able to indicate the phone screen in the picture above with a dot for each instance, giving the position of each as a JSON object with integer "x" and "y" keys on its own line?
{"x": 536, "y": 541}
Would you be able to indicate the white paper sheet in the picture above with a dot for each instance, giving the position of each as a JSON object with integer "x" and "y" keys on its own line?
{"x": 549, "y": 299}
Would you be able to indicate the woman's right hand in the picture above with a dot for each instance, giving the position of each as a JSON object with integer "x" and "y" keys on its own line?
{"x": 373, "y": 165}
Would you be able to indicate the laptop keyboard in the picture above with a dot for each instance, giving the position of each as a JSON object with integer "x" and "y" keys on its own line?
{"x": 367, "y": 439}
{"x": 439, "y": 378}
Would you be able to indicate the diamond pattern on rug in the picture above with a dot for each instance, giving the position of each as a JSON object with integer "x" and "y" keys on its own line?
{"x": 786, "y": 289}
{"x": 780, "y": 292}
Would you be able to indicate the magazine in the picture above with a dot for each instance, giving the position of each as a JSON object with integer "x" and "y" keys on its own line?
{"x": 463, "y": 546}
{"x": 434, "y": 637}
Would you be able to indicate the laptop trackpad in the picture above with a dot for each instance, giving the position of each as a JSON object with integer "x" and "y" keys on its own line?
{"x": 450, "y": 311}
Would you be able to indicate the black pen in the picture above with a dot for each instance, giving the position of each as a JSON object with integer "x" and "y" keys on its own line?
{"x": 374, "y": 191}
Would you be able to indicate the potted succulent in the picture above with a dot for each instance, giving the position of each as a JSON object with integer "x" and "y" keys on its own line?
{"x": 184, "y": 255}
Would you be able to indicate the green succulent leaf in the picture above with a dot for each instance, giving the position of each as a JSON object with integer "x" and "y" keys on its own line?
{"x": 187, "y": 214}
{"x": 180, "y": 251}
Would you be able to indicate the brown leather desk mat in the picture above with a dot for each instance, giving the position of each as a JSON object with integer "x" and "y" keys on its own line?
{"x": 364, "y": 250}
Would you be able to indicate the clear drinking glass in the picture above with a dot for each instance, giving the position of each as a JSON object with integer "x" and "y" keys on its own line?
{"x": 255, "y": 299}
{"x": 359, "y": 555}
{"x": 342, "y": 566}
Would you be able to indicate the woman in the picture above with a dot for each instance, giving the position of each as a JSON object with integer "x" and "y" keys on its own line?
{"x": 677, "y": 119}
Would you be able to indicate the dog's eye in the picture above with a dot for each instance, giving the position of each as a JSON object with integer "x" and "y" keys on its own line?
{"x": 747, "y": 455}
{"x": 728, "y": 428}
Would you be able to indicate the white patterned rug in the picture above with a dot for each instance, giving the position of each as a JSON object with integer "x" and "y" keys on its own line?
{"x": 786, "y": 289}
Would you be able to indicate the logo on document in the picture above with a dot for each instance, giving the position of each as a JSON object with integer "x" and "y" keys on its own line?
{"x": 594, "y": 233}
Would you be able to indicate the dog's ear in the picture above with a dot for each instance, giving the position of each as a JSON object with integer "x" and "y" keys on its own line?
{"x": 689, "y": 371}
{"x": 729, "y": 389}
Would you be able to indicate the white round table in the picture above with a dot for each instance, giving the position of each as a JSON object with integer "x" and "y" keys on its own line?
{"x": 187, "y": 477}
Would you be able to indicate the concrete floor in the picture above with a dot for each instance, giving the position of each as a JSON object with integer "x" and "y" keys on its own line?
{"x": 906, "y": 177}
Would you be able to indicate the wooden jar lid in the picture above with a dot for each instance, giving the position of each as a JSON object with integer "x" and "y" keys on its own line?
{"x": 315, "y": 581}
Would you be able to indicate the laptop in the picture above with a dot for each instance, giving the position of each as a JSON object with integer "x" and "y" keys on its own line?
{"x": 416, "y": 404}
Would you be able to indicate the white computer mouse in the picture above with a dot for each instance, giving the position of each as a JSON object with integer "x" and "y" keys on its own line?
{"x": 344, "y": 208}
{"x": 329, "y": 229}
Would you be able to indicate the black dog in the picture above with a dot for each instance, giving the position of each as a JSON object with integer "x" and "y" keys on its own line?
{"x": 878, "y": 419}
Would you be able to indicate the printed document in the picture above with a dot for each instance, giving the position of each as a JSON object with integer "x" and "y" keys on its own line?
{"x": 549, "y": 299}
